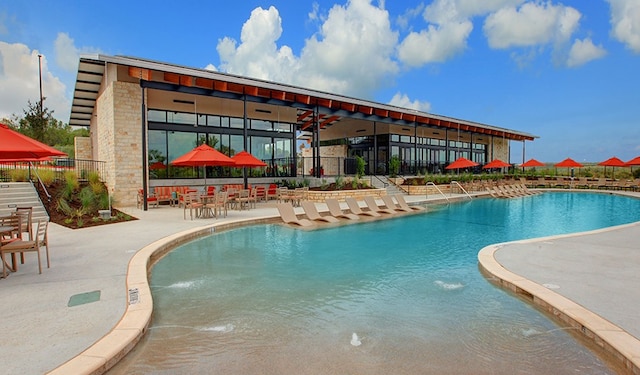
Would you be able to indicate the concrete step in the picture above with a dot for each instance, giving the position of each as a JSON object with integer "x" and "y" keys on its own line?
{"x": 21, "y": 194}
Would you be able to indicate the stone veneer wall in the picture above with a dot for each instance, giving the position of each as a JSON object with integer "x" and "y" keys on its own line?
{"x": 119, "y": 136}
{"x": 340, "y": 195}
{"x": 500, "y": 149}
{"x": 82, "y": 148}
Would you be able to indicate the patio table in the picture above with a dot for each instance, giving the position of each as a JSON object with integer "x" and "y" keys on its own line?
{"x": 6, "y": 229}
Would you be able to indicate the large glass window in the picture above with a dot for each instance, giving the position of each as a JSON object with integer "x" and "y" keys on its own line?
{"x": 156, "y": 116}
{"x": 158, "y": 154}
{"x": 236, "y": 122}
{"x": 181, "y": 118}
{"x": 261, "y": 125}
{"x": 179, "y": 143}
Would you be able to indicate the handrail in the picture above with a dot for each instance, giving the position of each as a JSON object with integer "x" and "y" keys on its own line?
{"x": 437, "y": 188}
{"x": 460, "y": 186}
{"x": 384, "y": 183}
{"x": 40, "y": 181}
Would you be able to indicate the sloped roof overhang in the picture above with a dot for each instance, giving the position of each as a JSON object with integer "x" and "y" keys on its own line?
{"x": 313, "y": 105}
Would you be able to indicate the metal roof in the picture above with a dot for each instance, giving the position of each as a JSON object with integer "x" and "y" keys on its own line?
{"x": 91, "y": 70}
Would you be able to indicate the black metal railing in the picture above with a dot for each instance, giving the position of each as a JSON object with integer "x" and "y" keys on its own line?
{"x": 55, "y": 169}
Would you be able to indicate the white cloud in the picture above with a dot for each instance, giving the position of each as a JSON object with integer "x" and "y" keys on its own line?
{"x": 583, "y": 51}
{"x": 19, "y": 79}
{"x": 530, "y": 25}
{"x": 350, "y": 54}
{"x": 402, "y": 100}
{"x": 67, "y": 55}
{"x": 625, "y": 22}
{"x": 435, "y": 44}
{"x": 211, "y": 67}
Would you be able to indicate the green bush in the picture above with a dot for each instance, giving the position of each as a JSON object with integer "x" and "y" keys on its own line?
{"x": 394, "y": 166}
{"x": 359, "y": 166}
{"x": 19, "y": 175}
{"x": 47, "y": 176}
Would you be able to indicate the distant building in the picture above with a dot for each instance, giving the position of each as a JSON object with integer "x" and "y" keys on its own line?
{"x": 143, "y": 114}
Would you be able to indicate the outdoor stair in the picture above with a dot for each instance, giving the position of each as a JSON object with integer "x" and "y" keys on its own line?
{"x": 383, "y": 182}
{"x": 21, "y": 194}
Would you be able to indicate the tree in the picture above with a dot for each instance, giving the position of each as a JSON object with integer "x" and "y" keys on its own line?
{"x": 37, "y": 121}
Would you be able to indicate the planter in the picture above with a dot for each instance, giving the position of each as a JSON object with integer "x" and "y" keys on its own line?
{"x": 340, "y": 195}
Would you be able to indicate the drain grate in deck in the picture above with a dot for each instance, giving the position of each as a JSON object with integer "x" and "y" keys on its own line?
{"x": 83, "y": 298}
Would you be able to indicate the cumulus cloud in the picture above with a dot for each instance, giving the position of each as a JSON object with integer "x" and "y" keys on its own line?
{"x": 350, "y": 54}
{"x": 448, "y": 28}
{"x": 19, "y": 78}
{"x": 530, "y": 25}
{"x": 67, "y": 55}
{"x": 583, "y": 51}
{"x": 402, "y": 100}
{"x": 625, "y": 22}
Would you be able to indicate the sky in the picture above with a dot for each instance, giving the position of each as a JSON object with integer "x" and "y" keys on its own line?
{"x": 565, "y": 71}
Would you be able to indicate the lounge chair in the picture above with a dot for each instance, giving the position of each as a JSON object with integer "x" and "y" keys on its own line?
{"x": 313, "y": 214}
{"x": 288, "y": 215}
{"x": 372, "y": 205}
{"x": 336, "y": 211}
{"x": 355, "y": 209}
{"x": 403, "y": 203}
{"x": 390, "y": 204}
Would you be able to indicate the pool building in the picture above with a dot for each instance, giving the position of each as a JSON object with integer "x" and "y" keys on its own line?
{"x": 143, "y": 114}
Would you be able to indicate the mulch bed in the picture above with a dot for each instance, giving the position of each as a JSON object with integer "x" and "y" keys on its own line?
{"x": 89, "y": 220}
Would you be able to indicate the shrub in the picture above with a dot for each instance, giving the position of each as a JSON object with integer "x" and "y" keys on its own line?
{"x": 19, "y": 175}
{"x": 359, "y": 166}
{"x": 47, "y": 176}
{"x": 339, "y": 182}
{"x": 394, "y": 166}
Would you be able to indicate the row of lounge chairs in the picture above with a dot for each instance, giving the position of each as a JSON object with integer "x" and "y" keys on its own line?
{"x": 353, "y": 213}
{"x": 510, "y": 191}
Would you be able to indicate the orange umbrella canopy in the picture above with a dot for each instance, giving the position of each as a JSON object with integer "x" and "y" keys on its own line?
{"x": 612, "y": 162}
{"x": 532, "y": 163}
{"x": 461, "y": 163}
{"x": 497, "y": 163}
{"x": 569, "y": 163}
{"x": 15, "y": 146}
{"x": 634, "y": 161}
{"x": 245, "y": 159}
{"x": 157, "y": 165}
{"x": 203, "y": 156}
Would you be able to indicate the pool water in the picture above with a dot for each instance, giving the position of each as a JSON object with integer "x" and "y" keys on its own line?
{"x": 269, "y": 299}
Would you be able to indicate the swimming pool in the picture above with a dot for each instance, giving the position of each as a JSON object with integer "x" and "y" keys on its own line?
{"x": 270, "y": 299}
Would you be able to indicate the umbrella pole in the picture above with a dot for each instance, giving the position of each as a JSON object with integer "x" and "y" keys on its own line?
{"x": 244, "y": 177}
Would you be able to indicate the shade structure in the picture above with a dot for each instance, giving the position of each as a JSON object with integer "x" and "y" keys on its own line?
{"x": 203, "y": 156}
{"x": 18, "y": 147}
{"x": 245, "y": 159}
{"x": 569, "y": 163}
{"x": 613, "y": 163}
{"x": 532, "y": 163}
{"x": 632, "y": 162}
{"x": 461, "y": 163}
{"x": 496, "y": 163}
{"x": 157, "y": 165}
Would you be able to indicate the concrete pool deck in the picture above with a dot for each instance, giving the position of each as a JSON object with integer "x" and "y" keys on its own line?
{"x": 43, "y": 327}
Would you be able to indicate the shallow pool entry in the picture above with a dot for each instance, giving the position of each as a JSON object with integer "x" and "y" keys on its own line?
{"x": 395, "y": 296}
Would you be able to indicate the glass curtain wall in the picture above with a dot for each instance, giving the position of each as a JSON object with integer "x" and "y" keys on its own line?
{"x": 172, "y": 134}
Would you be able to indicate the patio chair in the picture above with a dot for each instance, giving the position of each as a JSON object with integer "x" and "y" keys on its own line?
{"x": 289, "y": 216}
{"x": 22, "y": 246}
{"x": 253, "y": 197}
{"x": 272, "y": 192}
{"x": 192, "y": 202}
{"x": 403, "y": 203}
{"x": 152, "y": 200}
{"x": 218, "y": 205}
{"x": 242, "y": 199}
{"x": 261, "y": 193}
{"x": 355, "y": 209}
{"x": 312, "y": 213}
{"x": 390, "y": 204}
{"x": 336, "y": 211}
{"x": 372, "y": 205}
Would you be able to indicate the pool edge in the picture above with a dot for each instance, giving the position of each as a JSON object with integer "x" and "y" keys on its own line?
{"x": 611, "y": 338}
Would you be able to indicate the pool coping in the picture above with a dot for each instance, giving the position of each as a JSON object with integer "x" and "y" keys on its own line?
{"x": 615, "y": 341}
{"x": 133, "y": 325}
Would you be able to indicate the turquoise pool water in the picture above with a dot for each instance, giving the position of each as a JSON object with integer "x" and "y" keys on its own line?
{"x": 269, "y": 299}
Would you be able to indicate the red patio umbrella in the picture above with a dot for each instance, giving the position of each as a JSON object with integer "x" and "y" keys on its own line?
{"x": 613, "y": 163}
{"x": 496, "y": 163}
{"x": 632, "y": 162}
{"x": 18, "y": 147}
{"x": 245, "y": 159}
{"x": 532, "y": 163}
{"x": 461, "y": 163}
{"x": 157, "y": 165}
{"x": 203, "y": 156}
{"x": 569, "y": 163}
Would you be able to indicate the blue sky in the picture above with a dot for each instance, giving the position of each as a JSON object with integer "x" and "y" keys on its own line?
{"x": 566, "y": 71}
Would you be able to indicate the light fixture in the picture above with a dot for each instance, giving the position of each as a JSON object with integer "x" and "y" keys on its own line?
{"x": 263, "y": 110}
{"x": 183, "y": 101}
{"x": 360, "y": 130}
